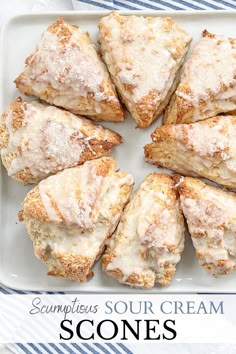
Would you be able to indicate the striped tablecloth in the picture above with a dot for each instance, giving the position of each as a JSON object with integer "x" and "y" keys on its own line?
{"x": 119, "y": 348}
{"x": 155, "y": 4}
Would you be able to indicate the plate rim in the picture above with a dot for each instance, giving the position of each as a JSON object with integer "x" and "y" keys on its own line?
{"x": 95, "y": 13}
{"x": 73, "y": 13}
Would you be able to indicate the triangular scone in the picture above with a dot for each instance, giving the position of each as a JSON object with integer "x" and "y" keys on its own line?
{"x": 143, "y": 56}
{"x": 70, "y": 215}
{"x": 149, "y": 239}
{"x": 206, "y": 148}
{"x": 211, "y": 219}
{"x": 208, "y": 82}
{"x": 66, "y": 70}
{"x": 37, "y": 140}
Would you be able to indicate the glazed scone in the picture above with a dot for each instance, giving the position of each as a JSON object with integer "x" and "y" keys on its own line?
{"x": 149, "y": 239}
{"x": 70, "y": 215}
{"x": 208, "y": 82}
{"x": 211, "y": 219}
{"x": 206, "y": 148}
{"x": 37, "y": 140}
{"x": 143, "y": 56}
{"x": 66, "y": 70}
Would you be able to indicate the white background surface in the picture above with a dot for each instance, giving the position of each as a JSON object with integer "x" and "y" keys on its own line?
{"x": 212, "y": 311}
{"x": 15, "y": 271}
{"x": 16, "y": 6}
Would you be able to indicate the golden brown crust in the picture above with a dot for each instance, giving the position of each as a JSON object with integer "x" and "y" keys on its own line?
{"x": 110, "y": 110}
{"x": 190, "y": 187}
{"x": 144, "y": 111}
{"x": 28, "y": 122}
{"x": 217, "y": 95}
{"x": 62, "y": 31}
{"x": 142, "y": 96}
{"x": 17, "y": 121}
{"x": 58, "y": 90}
{"x": 144, "y": 250}
{"x": 209, "y": 212}
{"x": 33, "y": 206}
{"x": 72, "y": 267}
{"x": 70, "y": 215}
{"x": 145, "y": 281}
{"x": 178, "y": 108}
{"x": 66, "y": 265}
{"x": 204, "y": 149}
{"x": 17, "y": 114}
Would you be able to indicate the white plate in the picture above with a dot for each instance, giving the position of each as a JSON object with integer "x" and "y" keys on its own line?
{"x": 19, "y": 268}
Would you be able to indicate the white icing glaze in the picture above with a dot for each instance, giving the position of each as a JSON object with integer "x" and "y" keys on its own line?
{"x": 210, "y": 69}
{"x": 83, "y": 210}
{"x": 148, "y": 226}
{"x": 201, "y": 145}
{"x": 144, "y": 53}
{"x": 72, "y": 68}
{"x": 212, "y": 225}
{"x": 206, "y": 139}
{"x": 78, "y": 194}
{"x": 74, "y": 242}
{"x": 49, "y": 140}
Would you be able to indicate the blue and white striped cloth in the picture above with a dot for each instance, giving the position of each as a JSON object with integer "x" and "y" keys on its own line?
{"x": 156, "y": 4}
{"x": 119, "y": 348}
{"x": 62, "y": 348}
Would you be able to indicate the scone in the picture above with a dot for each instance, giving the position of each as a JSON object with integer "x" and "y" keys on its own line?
{"x": 70, "y": 215}
{"x": 211, "y": 219}
{"x": 206, "y": 148}
{"x": 149, "y": 239}
{"x": 208, "y": 82}
{"x": 143, "y": 56}
{"x": 37, "y": 140}
{"x": 66, "y": 70}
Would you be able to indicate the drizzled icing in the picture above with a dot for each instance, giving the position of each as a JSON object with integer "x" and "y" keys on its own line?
{"x": 72, "y": 241}
{"x": 73, "y": 204}
{"x": 208, "y": 145}
{"x": 49, "y": 140}
{"x": 81, "y": 209}
{"x": 72, "y": 67}
{"x": 210, "y": 69}
{"x": 151, "y": 223}
{"x": 211, "y": 221}
{"x": 208, "y": 139}
{"x": 77, "y": 195}
{"x": 146, "y": 53}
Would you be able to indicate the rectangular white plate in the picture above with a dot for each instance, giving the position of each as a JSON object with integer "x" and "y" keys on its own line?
{"x": 19, "y": 268}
